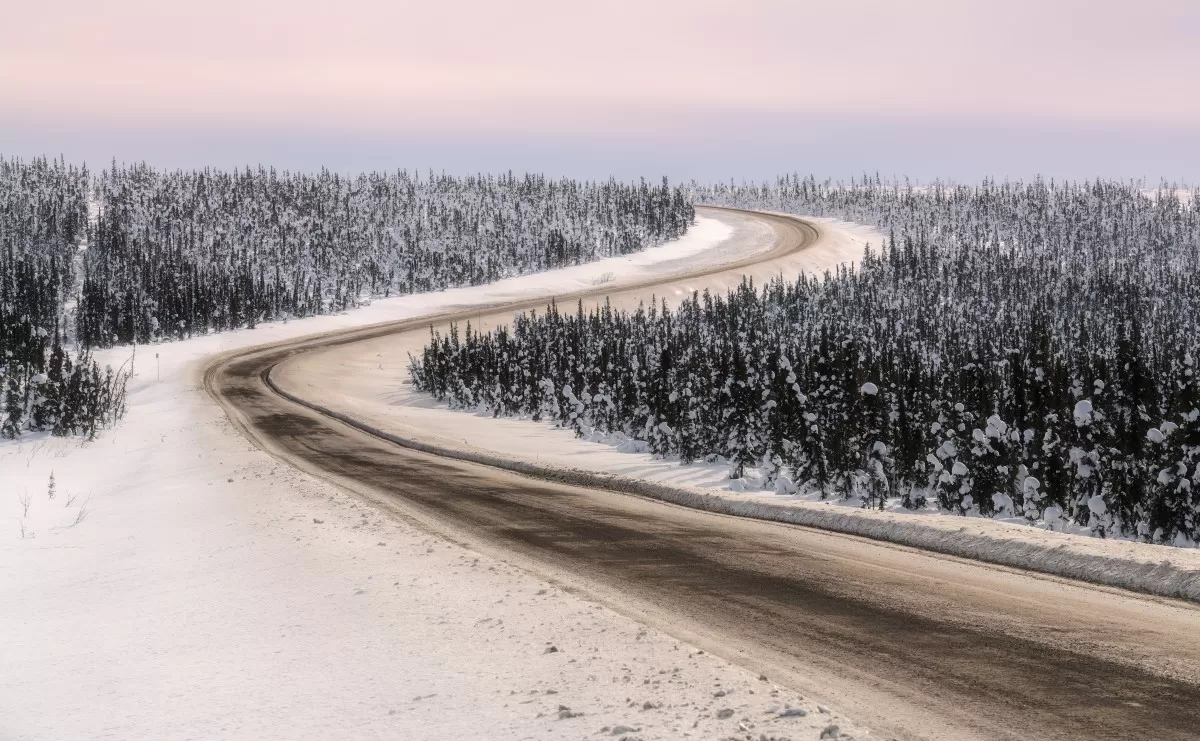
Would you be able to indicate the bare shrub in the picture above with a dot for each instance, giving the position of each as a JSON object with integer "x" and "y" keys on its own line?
{"x": 82, "y": 514}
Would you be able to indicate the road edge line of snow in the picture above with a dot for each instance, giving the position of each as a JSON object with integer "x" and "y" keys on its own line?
{"x": 1162, "y": 579}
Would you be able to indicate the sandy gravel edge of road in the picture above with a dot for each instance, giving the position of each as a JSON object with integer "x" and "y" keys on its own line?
{"x": 1064, "y": 558}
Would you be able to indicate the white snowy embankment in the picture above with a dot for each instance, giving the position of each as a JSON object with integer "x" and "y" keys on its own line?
{"x": 369, "y": 389}
{"x": 183, "y": 584}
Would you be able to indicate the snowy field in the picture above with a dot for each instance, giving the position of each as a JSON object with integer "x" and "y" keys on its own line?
{"x": 180, "y": 583}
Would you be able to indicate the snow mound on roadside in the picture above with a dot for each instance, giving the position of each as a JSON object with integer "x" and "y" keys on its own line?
{"x": 1126, "y": 565}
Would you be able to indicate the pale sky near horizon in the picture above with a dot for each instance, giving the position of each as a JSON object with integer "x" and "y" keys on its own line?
{"x": 700, "y": 88}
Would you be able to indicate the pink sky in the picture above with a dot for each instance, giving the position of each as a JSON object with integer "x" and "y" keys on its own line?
{"x": 637, "y": 70}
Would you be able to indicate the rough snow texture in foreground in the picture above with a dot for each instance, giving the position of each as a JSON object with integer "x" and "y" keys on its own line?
{"x": 211, "y": 592}
{"x": 365, "y": 382}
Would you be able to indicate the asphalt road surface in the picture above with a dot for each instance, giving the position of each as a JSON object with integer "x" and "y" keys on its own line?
{"x": 912, "y": 644}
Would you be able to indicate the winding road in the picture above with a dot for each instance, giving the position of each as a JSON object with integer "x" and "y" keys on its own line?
{"x": 912, "y": 644}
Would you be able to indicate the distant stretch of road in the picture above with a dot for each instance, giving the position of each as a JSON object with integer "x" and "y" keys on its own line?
{"x": 914, "y": 645}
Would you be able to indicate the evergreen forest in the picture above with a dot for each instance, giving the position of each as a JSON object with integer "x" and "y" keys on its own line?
{"x": 1021, "y": 350}
{"x": 44, "y": 386}
{"x": 135, "y": 255}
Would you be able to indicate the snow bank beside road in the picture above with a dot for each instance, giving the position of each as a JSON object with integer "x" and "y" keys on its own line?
{"x": 214, "y": 593}
{"x": 1158, "y": 570}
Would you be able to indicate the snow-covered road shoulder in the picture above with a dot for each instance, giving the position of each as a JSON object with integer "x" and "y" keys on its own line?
{"x": 1139, "y": 567}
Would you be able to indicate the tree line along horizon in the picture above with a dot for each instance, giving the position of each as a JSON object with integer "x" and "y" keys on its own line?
{"x": 1030, "y": 345}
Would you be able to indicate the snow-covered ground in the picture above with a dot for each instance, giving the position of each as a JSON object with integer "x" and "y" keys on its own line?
{"x": 368, "y": 381}
{"x": 183, "y": 584}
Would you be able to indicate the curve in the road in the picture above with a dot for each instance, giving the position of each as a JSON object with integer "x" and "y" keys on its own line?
{"x": 918, "y": 645}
